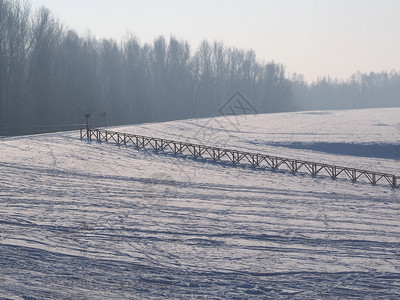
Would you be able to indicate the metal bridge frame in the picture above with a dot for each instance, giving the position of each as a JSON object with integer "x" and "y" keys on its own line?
{"x": 236, "y": 157}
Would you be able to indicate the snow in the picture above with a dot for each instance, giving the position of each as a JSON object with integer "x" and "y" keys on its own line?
{"x": 81, "y": 219}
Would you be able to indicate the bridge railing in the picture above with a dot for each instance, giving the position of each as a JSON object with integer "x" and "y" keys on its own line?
{"x": 236, "y": 156}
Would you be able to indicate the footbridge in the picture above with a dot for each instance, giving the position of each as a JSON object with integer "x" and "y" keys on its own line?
{"x": 240, "y": 157}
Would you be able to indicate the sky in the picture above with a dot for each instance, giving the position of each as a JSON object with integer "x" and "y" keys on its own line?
{"x": 315, "y": 38}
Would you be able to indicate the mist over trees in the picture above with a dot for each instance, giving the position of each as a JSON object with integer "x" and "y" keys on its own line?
{"x": 50, "y": 75}
{"x": 359, "y": 91}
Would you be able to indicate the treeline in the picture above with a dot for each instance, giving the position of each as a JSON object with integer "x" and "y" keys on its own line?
{"x": 359, "y": 91}
{"x": 50, "y": 75}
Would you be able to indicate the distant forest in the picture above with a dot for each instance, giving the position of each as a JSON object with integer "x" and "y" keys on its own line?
{"x": 50, "y": 75}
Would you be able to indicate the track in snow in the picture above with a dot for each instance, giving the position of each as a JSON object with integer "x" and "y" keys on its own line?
{"x": 81, "y": 220}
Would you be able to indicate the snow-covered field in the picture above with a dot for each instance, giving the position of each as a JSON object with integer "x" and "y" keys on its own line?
{"x": 83, "y": 220}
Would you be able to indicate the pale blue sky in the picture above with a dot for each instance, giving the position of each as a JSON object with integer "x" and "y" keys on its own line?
{"x": 311, "y": 37}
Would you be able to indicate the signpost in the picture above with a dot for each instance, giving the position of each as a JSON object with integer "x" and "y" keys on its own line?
{"x": 87, "y": 116}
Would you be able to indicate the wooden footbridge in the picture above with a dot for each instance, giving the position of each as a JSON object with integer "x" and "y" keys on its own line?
{"x": 236, "y": 157}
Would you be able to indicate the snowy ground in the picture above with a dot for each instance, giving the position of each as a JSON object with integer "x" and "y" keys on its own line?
{"x": 81, "y": 220}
